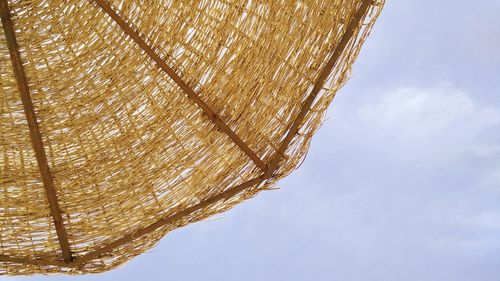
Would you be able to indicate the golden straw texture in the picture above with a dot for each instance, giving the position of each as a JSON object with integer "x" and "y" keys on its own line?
{"x": 156, "y": 114}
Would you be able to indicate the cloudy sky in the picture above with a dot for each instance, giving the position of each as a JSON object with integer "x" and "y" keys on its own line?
{"x": 402, "y": 182}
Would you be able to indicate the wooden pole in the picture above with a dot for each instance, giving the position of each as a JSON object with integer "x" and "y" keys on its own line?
{"x": 41, "y": 262}
{"x": 167, "y": 220}
{"x": 183, "y": 85}
{"x": 131, "y": 236}
{"x": 36, "y": 138}
{"x": 306, "y": 106}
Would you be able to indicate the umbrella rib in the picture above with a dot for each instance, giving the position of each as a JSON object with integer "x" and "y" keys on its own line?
{"x": 168, "y": 220}
{"x": 214, "y": 117}
{"x": 131, "y": 236}
{"x": 42, "y": 262}
{"x": 318, "y": 85}
{"x": 36, "y": 138}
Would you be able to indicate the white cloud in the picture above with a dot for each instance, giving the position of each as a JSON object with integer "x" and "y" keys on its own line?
{"x": 413, "y": 182}
{"x": 430, "y": 125}
{"x": 428, "y": 112}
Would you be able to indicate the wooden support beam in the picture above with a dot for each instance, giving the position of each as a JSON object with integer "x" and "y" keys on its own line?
{"x": 42, "y": 262}
{"x": 167, "y": 220}
{"x": 183, "y": 85}
{"x": 140, "y": 232}
{"x": 306, "y": 106}
{"x": 35, "y": 135}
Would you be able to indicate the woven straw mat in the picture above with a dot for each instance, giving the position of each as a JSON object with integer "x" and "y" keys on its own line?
{"x": 154, "y": 114}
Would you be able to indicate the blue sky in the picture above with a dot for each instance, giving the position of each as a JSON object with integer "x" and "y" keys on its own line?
{"x": 402, "y": 182}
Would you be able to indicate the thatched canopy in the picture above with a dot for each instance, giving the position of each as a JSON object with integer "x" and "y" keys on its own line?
{"x": 122, "y": 120}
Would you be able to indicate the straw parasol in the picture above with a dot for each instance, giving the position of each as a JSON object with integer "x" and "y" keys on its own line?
{"x": 123, "y": 120}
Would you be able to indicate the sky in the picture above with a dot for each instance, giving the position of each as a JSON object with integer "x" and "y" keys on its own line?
{"x": 402, "y": 182}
